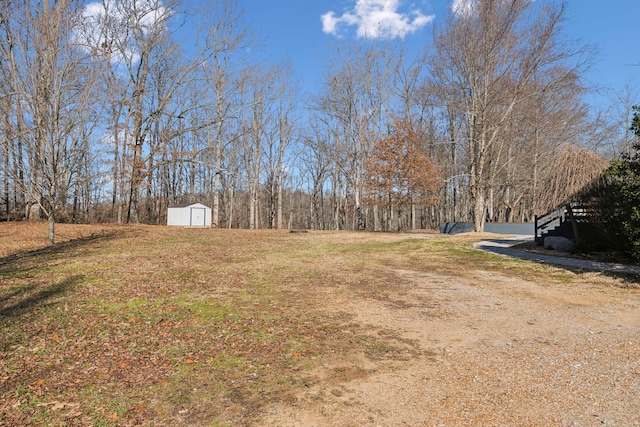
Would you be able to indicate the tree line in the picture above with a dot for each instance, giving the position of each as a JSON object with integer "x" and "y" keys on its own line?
{"x": 109, "y": 114}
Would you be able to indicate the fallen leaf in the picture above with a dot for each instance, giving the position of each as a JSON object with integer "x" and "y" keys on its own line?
{"x": 37, "y": 384}
{"x": 57, "y": 406}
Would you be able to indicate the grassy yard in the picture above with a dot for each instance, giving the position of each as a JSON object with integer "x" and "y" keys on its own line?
{"x": 169, "y": 326}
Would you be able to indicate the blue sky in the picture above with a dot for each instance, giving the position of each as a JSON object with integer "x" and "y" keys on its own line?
{"x": 296, "y": 30}
{"x": 613, "y": 27}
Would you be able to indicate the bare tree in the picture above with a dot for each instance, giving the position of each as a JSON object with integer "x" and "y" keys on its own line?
{"x": 316, "y": 161}
{"x": 540, "y": 126}
{"x": 483, "y": 67}
{"x": 15, "y": 45}
{"x": 257, "y": 127}
{"x": 225, "y": 39}
{"x": 616, "y": 130}
{"x": 136, "y": 37}
{"x": 573, "y": 169}
{"x": 279, "y": 142}
{"x": 52, "y": 82}
{"x": 356, "y": 98}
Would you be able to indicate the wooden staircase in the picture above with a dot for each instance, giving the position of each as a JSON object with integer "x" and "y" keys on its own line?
{"x": 558, "y": 222}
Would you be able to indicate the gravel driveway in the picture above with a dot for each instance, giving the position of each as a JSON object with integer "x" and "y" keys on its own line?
{"x": 484, "y": 349}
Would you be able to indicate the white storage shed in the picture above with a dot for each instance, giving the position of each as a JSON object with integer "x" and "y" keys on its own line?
{"x": 189, "y": 215}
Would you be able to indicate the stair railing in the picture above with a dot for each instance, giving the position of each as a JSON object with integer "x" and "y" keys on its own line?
{"x": 551, "y": 219}
{"x": 557, "y": 217}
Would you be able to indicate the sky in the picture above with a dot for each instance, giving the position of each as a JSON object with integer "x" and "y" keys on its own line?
{"x": 305, "y": 32}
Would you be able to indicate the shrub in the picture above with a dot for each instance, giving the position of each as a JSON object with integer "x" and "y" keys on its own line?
{"x": 615, "y": 199}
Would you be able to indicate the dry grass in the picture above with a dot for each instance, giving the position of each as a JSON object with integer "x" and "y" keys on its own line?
{"x": 166, "y": 326}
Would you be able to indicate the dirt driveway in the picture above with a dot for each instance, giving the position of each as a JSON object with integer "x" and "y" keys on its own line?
{"x": 483, "y": 349}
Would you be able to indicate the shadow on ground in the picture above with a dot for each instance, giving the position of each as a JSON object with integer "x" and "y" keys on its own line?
{"x": 27, "y": 294}
{"x": 18, "y": 302}
{"x": 517, "y": 248}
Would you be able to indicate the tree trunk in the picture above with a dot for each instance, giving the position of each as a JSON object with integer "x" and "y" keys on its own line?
{"x": 215, "y": 220}
{"x": 413, "y": 215}
{"x": 574, "y": 223}
{"x": 280, "y": 223}
{"x": 52, "y": 226}
{"x": 479, "y": 210}
{"x": 376, "y": 218}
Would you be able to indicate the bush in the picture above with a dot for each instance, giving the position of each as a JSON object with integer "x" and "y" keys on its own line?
{"x": 615, "y": 199}
{"x": 626, "y": 199}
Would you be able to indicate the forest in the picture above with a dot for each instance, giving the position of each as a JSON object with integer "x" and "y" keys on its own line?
{"x": 109, "y": 115}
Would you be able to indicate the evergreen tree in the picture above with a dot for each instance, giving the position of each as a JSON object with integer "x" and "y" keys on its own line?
{"x": 625, "y": 191}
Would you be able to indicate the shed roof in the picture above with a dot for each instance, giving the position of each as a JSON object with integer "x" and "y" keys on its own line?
{"x": 186, "y": 205}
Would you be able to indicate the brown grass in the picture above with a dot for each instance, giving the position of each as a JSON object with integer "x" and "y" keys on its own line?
{"x": 145, "y": 325}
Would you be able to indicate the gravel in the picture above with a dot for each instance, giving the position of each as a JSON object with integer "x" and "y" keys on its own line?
{"x": 487, "y": 349}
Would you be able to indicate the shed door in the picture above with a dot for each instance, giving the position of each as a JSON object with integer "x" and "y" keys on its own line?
{"x": 197, "y": 217}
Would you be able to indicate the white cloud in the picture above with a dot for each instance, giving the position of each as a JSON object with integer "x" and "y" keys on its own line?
{"x": 467, "y": 8}
{"x": 463, "y": 7}
{"x": 106, "y": 26}
{"x": 376, "y": 19}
